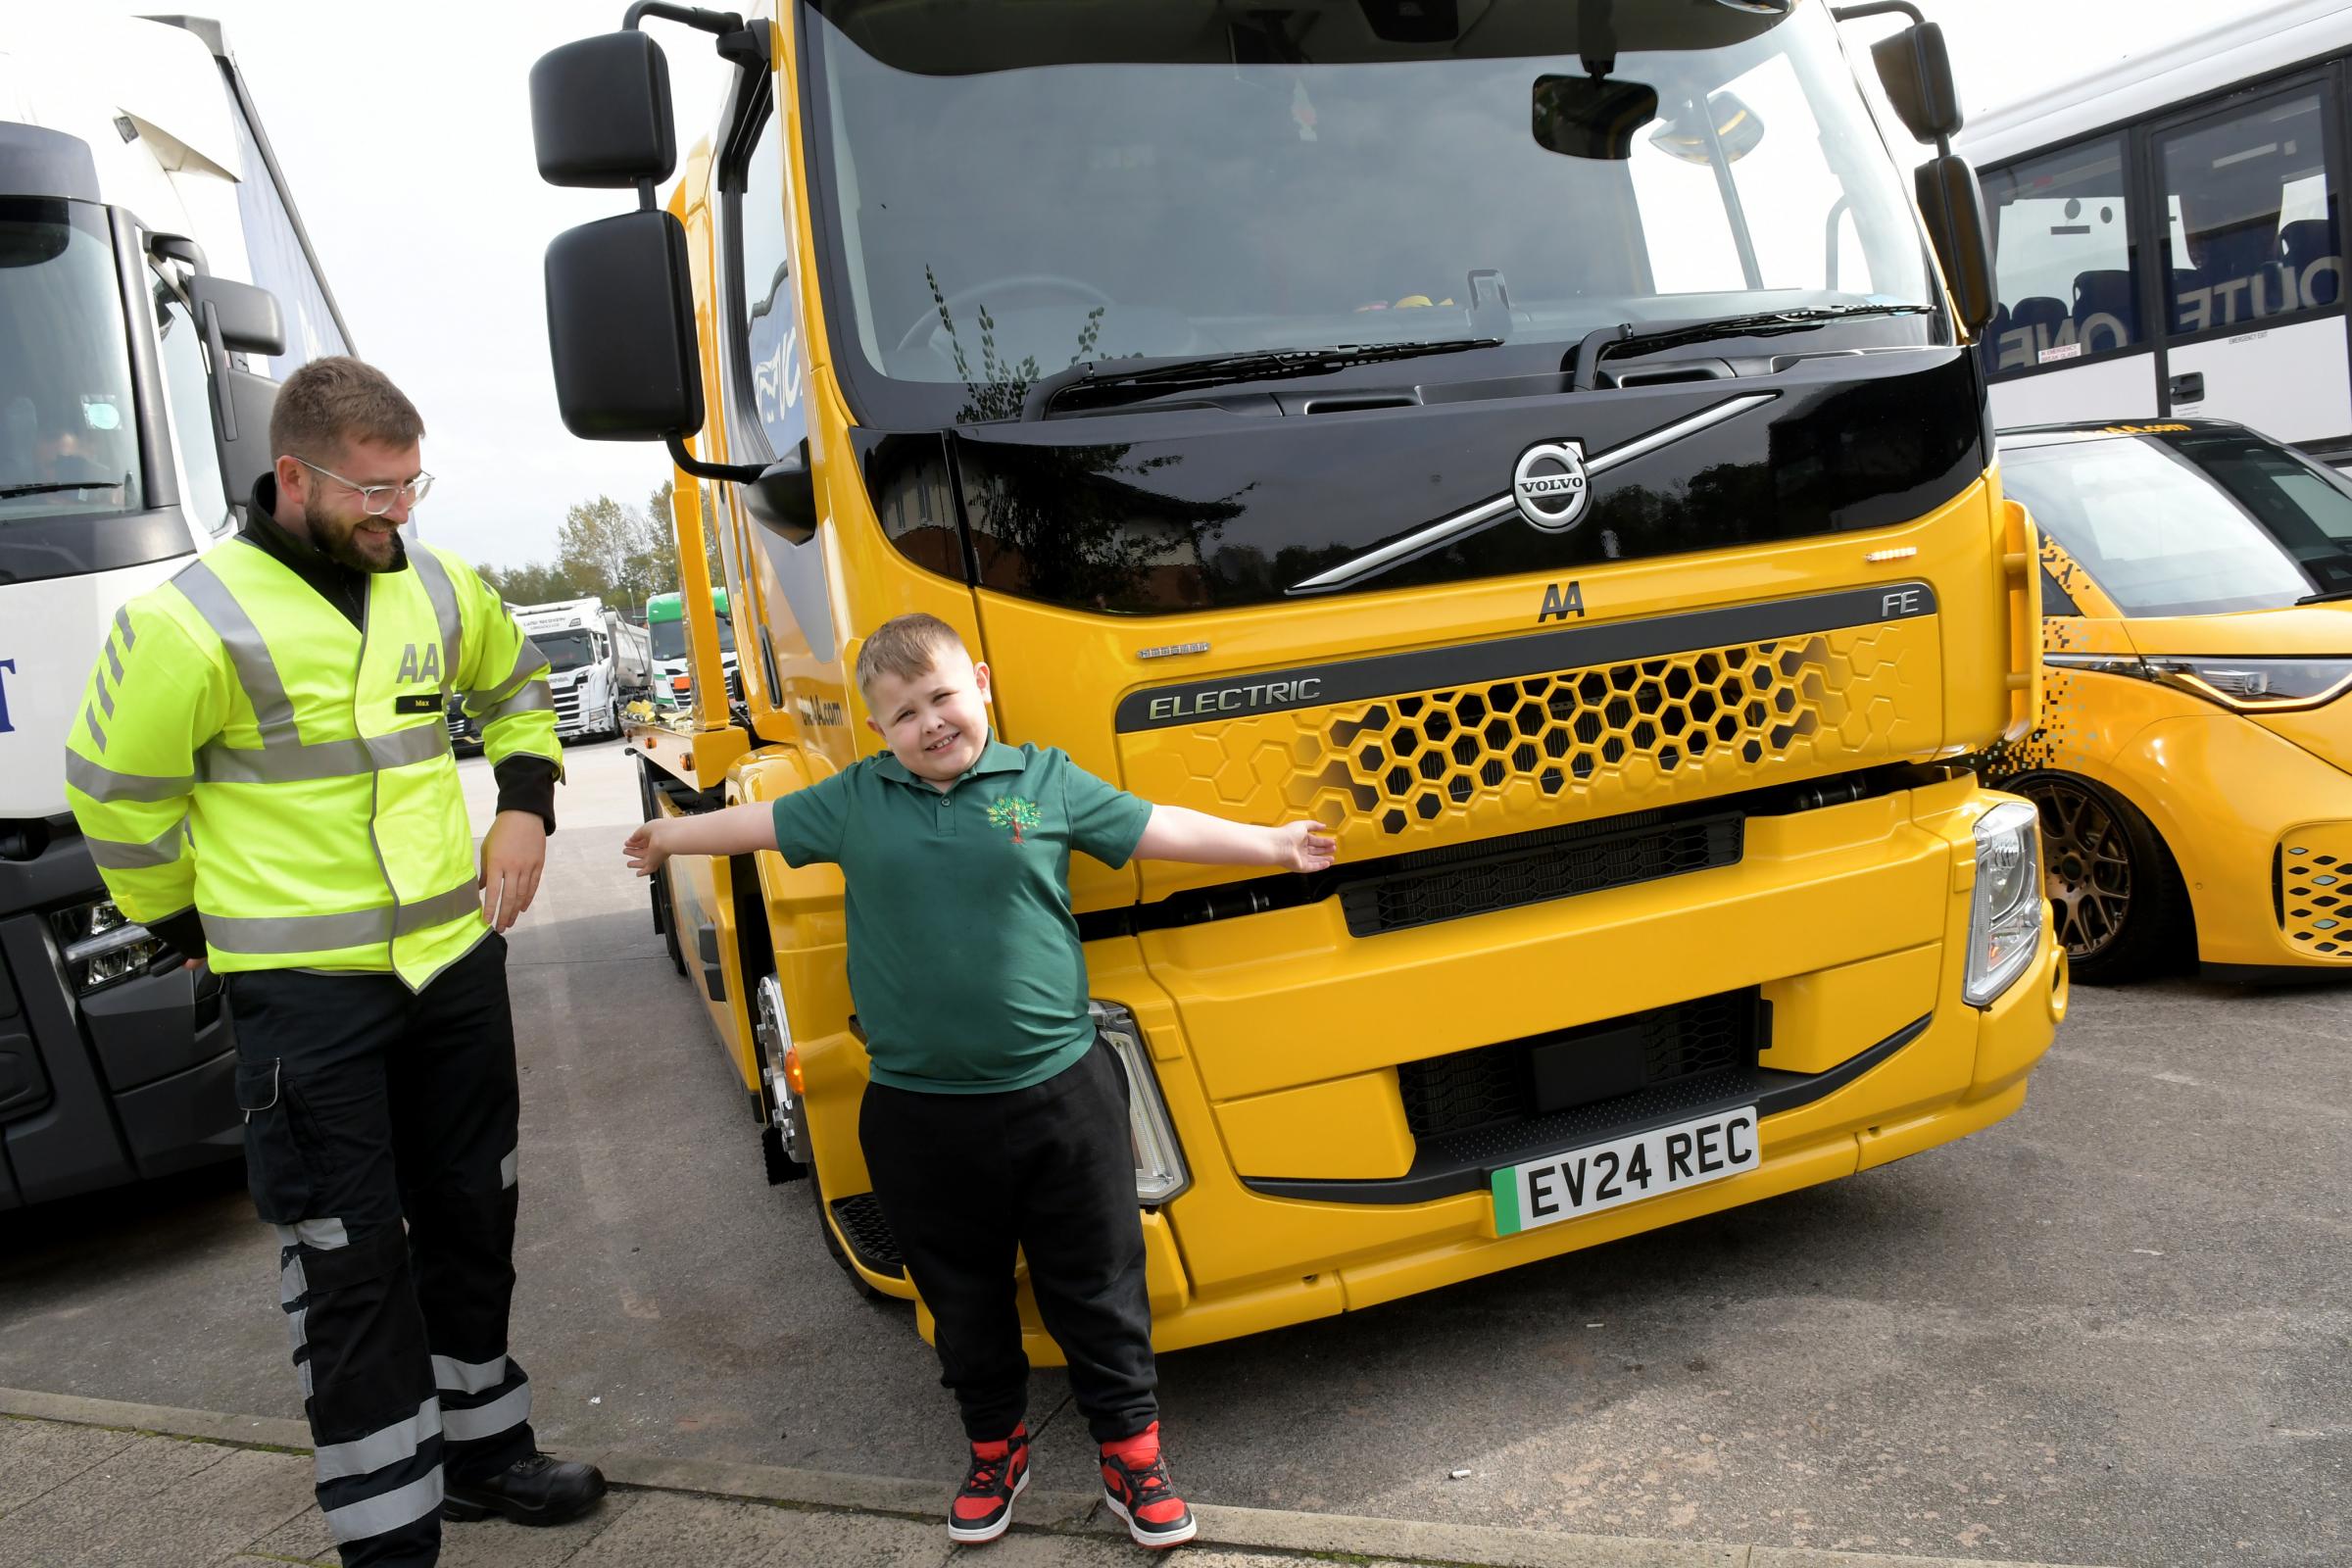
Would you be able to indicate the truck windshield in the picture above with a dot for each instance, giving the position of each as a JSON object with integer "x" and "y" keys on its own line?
{"x": 566, "y": 650}
{"x": 669, "y": 638}
{"x": 2155, "y": 529}
{"x": 69, "y": 443}
{"x": 1009, "y": 194}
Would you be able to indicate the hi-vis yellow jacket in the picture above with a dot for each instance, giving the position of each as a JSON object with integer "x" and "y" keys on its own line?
{"x": 245, "y": 750}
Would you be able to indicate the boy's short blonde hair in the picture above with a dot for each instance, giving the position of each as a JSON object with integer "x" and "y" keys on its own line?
{"x": 905, "y": 645}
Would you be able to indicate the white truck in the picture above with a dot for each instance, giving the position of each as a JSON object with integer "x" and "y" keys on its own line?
{"x": 598, "y": 662}
{"x": 154, "y": 283}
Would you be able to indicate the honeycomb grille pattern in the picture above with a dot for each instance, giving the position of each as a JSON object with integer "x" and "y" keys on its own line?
{"x": 1492, "y": 1089}
{"x": 1464, "y": 762}
{"x": 860, "y": 1223}
{"x": 2315, "y": 889}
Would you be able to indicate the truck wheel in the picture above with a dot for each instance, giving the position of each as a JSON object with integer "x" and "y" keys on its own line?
{"x": 2121, "y": 908}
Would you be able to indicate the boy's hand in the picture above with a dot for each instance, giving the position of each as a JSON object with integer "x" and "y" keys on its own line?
{"x": 1304, "y": 847}
{"x": 645, "y": 850}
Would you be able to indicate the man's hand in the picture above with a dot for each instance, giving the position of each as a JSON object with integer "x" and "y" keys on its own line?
{"x": 645, "y": 850}
{"x": 513, "y": 853}
{"x": 1304, "y": 847}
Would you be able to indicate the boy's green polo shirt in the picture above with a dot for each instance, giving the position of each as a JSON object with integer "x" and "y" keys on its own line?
{"x": 964, "y": 961}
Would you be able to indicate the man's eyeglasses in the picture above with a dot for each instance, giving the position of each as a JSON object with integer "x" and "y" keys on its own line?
{"x": 377, "y": 499}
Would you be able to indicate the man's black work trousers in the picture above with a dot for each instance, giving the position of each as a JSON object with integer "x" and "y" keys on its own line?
{"x": 380, "y": 1139}
{"x": 965, "y": 1180}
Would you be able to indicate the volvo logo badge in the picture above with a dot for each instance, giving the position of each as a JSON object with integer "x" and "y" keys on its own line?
{"x": 1551, "y": 486}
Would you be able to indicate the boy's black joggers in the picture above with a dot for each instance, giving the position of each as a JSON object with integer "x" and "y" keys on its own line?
{"x": 369, "y": 1105}
{"x": 965, "y": 1178}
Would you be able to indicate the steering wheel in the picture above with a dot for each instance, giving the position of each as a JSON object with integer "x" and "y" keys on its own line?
{"x": 928, "y": 321}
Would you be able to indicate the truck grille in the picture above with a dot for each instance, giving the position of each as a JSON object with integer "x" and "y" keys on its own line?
{"x": 1554, "y": 863}
{"x": 568, "y": 703}
{"x": 1495, "y": 1089}
{"x": 1465, "y": 763}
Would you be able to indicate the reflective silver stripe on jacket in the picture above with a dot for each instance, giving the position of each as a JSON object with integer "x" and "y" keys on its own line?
{"x": 373, "y": 1516}
{"x": 104, "y": 784}
{"x": 382, "y": 1448}
{"x": 509, "y": 1409}
{"x": 527, "y": 658}
{"x": 114, "y": 661}
{"x": 161, "y": 849}
{"x": 257, "y": 673}
{"x": 90, "y": 717}
{"x": 221, "y": 763}
{"x": 122, "y": 625}
{"x": 469, "y": 1377}
{"x": 323, "y": 933}
{"x": 444, "y": 595}
{"x": 535, "y": 697}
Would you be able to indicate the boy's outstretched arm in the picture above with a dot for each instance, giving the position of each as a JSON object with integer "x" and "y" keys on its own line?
{"x": 737, "y": 830}
{"x": 1176, "y": 834}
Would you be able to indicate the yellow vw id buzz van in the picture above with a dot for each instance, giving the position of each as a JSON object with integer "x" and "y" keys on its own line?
{"x": 2192, "y": 763}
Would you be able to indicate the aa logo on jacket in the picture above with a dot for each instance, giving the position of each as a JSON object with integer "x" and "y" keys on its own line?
{"x": 428, "y": 668}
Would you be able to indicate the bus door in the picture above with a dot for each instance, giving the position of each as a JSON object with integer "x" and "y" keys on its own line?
{"x": 2252, "y": 264}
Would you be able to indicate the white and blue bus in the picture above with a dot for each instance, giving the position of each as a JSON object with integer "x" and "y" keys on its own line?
{"x": 2170, "y": 233}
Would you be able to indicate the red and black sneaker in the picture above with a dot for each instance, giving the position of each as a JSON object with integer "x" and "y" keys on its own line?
{"x": 1000, "y": 1473}
{"x": 1135, "y": 1481}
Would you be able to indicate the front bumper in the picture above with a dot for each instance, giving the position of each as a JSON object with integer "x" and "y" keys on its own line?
{"x": 131, "y": 1083}
{"x": 1277, "y": 1041}
{"x": 2234, "y": 803}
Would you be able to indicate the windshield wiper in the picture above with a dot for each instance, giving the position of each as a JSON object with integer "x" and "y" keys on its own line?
{"x": 10, "y": 492}
{"x": 1652, "y": 336}
{"x": 1100, "y": 383}
{"x": 2330, "y": 596}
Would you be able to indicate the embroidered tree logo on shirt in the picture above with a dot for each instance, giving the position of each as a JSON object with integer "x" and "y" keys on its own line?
{"x": 1013, "y": 812}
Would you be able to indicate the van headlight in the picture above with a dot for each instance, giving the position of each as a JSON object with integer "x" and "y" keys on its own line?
{"x": 1159, "y": 1171}
{"x": 2004, "y": 920}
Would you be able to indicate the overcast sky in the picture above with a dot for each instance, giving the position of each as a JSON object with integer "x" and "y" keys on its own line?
{"x": 404, "y": 134}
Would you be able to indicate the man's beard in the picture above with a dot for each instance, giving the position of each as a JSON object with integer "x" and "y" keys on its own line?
{"x": 343, "y": 549}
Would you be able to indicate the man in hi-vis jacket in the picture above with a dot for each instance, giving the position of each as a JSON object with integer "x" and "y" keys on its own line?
{"x": 263, "y": 774}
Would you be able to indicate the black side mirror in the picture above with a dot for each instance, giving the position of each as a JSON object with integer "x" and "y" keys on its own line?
{"x": 620, "y": 329}
{"x": 248, "y": 318}
{"x": 1916, "y": 69}
{"x": 783, "y": 499}
{"x": 1953, "y": 204}
{"x": 600, "y": 113}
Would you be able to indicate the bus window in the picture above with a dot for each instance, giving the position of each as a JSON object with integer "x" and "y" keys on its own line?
{"x": 2257, "y": 235}
{"x": 2065, "y": 258}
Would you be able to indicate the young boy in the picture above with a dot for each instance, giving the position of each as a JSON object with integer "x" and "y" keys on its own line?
{"x": 994, "y": 1119}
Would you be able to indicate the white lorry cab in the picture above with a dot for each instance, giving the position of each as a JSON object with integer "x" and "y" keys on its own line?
{"x": 597, "y": 663}
{"x": 155, "y": 283}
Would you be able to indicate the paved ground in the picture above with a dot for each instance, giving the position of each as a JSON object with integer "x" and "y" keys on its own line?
{"x": 2112, "y": 1330}
{"x": 116, "y": 1497}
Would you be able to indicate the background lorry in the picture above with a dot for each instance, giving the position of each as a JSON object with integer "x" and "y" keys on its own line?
{"x": 140, "y": 206}
{"x": 598, "y": 664}
{"x": 1628, "y": 617}
{"x": 673, "y": 670}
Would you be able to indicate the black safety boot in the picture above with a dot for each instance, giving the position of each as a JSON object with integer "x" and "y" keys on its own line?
{"x": 541, "y": 1490}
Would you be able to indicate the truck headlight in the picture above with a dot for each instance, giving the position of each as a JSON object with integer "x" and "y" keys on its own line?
{"x": 101, "y": 946}
{"x": 1159, "y": 1171}
{"x": 2004, "y": 920}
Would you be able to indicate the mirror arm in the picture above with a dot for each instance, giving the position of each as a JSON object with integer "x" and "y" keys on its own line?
{"x": 688, "y": 463}
{"x": 1880, "y": 8}
{"x": 720, "y": 22}
{"x": 224, "y": 408}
